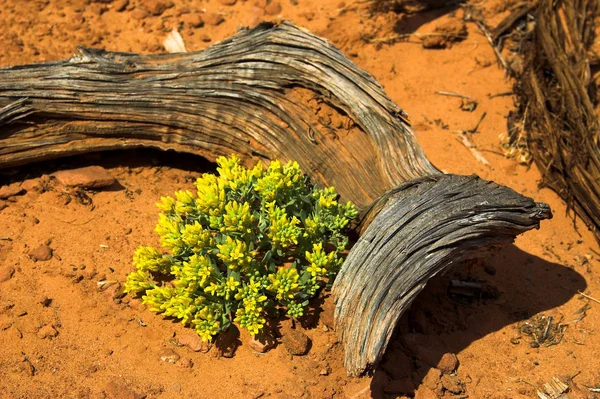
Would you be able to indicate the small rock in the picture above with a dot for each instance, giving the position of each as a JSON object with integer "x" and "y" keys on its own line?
{"x": 405, "y": 385}
{"x": 168, "y": 355}
{"x": 47, "y": 332}
{"x": 274, "y": 8}
{"x": 139, "y": 14}
{"x": 45, "y": 301}
{"x": 6, "y": 273}
{"x": 88, "y": 177}
{"x": 227, "y": 342}
{"x": 205, "y": 38}
{"x": 325, "y": 370}
{"x": 195, "y": 343}
{"x": 263, "y": 341}
{"x": 11, "y": 191}
{"x": 119, "y": 5}
{"x": 228, "y": 2}
{"x": 193, "y": 20}
{"x": 214, "y": 19}
{"x": 425, "y": 393}
{"x": 453, "y": 384}
{"x": 41, "y": 253}
{"x": 432, "y": 378}
{"x": 448, "y": 363}
{"x": 296, "y": 342}
{"x": 156, "y": 8}
{"x": 116, "y": 390}
{"x": 185, "y": 363}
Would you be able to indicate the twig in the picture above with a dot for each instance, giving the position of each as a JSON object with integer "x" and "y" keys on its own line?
{"x": 474, "y": 130}
{"x": 452, "y": 94}
{"x": 393, "y": 38}
{"x": 506, "y": 93}
{"x": 5, "y": 239}
{"x": 467, "y": 143}
{"x": 588, "y": 297}
{"x": 490, "y": 39}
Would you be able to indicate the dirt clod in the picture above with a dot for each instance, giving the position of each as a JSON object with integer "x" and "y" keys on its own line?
{"x": 6, "y": 273}
{"x": 120, "y": 5}
{"x": 295, "y": 342}
{"x": 214, "y": 19}
{"x": 194, "y": 342}
{"x": 48, "y": 331}
{"x": 273, "y": 8}
{"x": 11, "y": 191}
{"x": 448, "y": 363}
{"x": 41, "y": 253}
{"x": 168, "y": 355}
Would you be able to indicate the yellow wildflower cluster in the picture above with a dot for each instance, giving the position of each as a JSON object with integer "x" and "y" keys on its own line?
{"x": 206, "y": 323}
{"x": 225, "y": 246}
{"x": 321, "y": 263}
{"x": 283, "y": 231}
{"x": 250, "y": 314}
{"x": 235, "y": 254}
{"x": 284, "y": 283}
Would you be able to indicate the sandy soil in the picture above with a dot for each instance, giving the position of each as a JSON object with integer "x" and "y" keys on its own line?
{"x": 108, "y": 346}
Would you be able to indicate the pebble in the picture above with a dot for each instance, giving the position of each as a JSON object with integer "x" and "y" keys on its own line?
{"x": 195, "y": 343}
{"x": 45, "y": 301}
{"x": 11, "y": 191}
{"x": 88, "y": 177}
{"x": 262, "y": 342}
{"x": 185, "y": 363}
{"x": 168, "y": 355}
{"x": 41, "y": 253}
{"x": 156, "y": 8}
{"x": 228, "y": 2}
{"x": 295, "y": 342}
{"x": 119, "y": 5}
{"x": 274, "y": 8}
{"x": 448, "y": 363}
{"x": 6, "y": 273}
{"x": 214, "y": 19}
{"x": 47, "y": 332}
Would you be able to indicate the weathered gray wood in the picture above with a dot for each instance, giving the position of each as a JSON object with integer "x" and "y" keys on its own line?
{"x": 424, "y": 227}
{"x": 247, "y": 95}
{"x": 254, "y": 95}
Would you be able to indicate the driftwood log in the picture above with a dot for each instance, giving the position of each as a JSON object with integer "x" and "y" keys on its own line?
{"x": 277, "y": 91}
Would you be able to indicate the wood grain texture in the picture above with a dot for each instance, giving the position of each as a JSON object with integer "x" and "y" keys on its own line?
{"x": 278, "y": 92}
{"x": 245, "y": 95}
{"x": 424, "y": 227}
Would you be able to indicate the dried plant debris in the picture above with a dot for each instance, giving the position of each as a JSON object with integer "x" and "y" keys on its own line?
{"x": 543, "y": 330}
{"x": 553, "y": 389}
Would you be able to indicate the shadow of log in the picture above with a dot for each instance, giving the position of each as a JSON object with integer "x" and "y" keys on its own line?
{"x": 439, "y": 323}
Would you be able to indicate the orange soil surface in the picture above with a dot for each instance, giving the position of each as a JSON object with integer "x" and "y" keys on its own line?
{"x": 107, "y": 347}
